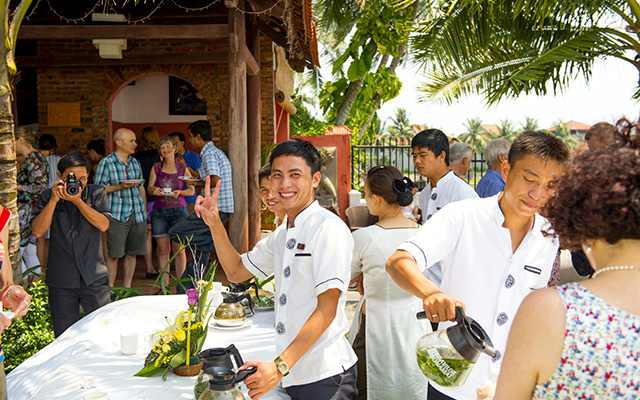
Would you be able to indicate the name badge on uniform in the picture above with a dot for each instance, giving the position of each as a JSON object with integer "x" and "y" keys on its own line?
{"x": 300, "y": 246}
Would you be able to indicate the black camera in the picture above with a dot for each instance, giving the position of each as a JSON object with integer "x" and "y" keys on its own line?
{"x": 73, "y": 185}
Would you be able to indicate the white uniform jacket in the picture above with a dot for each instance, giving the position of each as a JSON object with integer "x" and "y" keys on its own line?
{"x": 307, "y": 260}
{"x": 480, "y": 269}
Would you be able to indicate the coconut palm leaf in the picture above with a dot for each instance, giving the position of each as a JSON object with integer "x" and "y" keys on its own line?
{"x": 505, "y": 48}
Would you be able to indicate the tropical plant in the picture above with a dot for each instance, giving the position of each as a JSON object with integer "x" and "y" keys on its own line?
{"x": 475, "y": 135}
{"x": 29, "y": 334}
{"x": 377, "y": 45}
{"x": 530, "y": 124}
{"x": 400, "y": 126}
{"x": 507, "y": 129}
{"x": 504, "y": 48}
{"x": 11, "y": 15}
{"x": 563, "y": 132}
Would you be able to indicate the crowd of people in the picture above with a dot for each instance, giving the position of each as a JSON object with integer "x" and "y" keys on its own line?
{"x": 493, "y": 251}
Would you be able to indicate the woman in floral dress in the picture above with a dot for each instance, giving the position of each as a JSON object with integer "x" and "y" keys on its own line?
{"x": 33, "y": 176}
{"x": 582, "y": 340}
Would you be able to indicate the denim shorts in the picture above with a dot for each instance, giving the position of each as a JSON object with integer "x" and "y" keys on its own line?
{"x": 162, "y": 219}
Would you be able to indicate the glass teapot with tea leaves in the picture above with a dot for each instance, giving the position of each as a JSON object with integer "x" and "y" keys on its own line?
{"x": 447, "y": 356}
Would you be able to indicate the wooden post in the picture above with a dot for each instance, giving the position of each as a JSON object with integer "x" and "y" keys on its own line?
{"x": 254, "y": 114}
{"x": 238, "y": 223}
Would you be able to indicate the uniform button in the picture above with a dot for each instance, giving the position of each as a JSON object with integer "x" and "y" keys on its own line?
{"x": 497, "y": 357}
{"x": 429, "y": 216}
{"x": 291, "y": 243}
{"x": 280, "y": 329}
{"x": 510, "y": 281}
{"x": 434, "y": 196}
{"x": 283, "y": 299}
{"x": 502, "y": 318}
{"x": 286, "y": 272}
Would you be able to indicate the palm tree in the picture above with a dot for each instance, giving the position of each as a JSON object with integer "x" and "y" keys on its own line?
{"x": 507, "y": 129}
{"x": 400, "y": 127}
{"x": 10, "y": 19}
{"x": 530, "y": 124}
{"x": 560, "y": 130}
{"x": 503, "y": 48}
{"x": 475, "y": 135}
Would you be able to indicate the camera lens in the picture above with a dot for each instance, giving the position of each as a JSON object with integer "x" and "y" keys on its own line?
{"x": 73, "y": 188}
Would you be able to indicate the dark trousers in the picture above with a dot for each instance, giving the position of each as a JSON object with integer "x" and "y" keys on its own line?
{"x": 433, "y": 394}
{"x": 194, "y": 231}
{"x": 360, "y": 348}
{"x": 65, "y": 303}
{"x": 337, "y": 387}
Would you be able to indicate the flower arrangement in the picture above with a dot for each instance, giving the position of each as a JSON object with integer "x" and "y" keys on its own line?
{"x": 180, "y": 342}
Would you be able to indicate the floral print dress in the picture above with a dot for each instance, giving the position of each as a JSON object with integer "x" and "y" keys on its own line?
{"x": 601, "y": 352}
{"x": 33, "y": 176}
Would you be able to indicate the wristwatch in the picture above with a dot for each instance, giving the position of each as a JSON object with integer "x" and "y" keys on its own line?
{"x": 282, "y": 366}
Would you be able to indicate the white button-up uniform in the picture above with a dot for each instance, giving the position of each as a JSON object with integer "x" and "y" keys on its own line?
{"x": 450, "y": 188}
{"x": 480, "y": 269}
{"x": 307, "y": 260}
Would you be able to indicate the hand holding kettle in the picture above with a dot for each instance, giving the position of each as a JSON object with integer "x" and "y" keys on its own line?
{"x": 440, "y": 307}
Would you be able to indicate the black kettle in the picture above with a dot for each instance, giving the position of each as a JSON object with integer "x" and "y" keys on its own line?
{"x": 216, "y": 359}
{"x": 241, "y": 290}
{"x": 447, "y": 356}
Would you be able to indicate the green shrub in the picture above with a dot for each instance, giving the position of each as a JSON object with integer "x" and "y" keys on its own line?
{"x": 27, "y": 335}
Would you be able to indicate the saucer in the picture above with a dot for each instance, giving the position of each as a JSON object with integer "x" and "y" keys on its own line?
{"x": 247, "y": 323}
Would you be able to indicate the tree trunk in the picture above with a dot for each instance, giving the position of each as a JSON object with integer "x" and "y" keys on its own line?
{"x": 392, "y": 69}
{"x": 349, "y": 98}
{"x": 8, "y": 169}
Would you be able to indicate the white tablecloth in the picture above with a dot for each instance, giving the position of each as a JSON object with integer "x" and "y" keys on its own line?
{"x": 91, "y": 349}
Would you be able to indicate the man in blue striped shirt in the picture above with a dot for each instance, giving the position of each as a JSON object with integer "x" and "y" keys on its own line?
{"x": 121, "y": 175}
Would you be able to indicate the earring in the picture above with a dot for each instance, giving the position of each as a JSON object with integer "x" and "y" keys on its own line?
{"x": 589, "y": 250}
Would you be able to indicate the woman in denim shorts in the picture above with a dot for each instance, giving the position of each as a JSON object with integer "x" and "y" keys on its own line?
{"x": 170, "y": 206}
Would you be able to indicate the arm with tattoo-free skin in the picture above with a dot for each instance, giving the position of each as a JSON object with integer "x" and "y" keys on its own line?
{"x": 268, "y": 376}
{"x": 404, "y": 271}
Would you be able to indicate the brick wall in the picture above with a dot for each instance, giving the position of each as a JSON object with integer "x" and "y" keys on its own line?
{"x": 94, "y": 87}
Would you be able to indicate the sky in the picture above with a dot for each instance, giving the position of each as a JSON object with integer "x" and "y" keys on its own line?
{"x": 606, "y": 97}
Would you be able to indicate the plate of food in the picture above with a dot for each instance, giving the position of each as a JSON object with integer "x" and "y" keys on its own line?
{"x": 189, "y": 179}
{"x": 265, "y": 303}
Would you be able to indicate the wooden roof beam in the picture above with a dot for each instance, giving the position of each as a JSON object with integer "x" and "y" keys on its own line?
{"x": 56, "y": 32}
{"x": 61, "y": 61}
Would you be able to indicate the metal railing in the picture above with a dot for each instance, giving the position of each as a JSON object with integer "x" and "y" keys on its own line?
{"x": 397, "y": 152}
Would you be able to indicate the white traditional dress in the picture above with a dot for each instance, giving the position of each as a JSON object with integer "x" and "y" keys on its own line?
{"x": 392, "y": 329}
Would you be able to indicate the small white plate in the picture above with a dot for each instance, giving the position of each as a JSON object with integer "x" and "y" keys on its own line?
{"x": 8, "y": 314}
{"x": 167, "y": 194}
{"x": 131, "y": 181}
{"x": 264, "y": 308}
{"x": 190, "y": 179}
{"x": 247, "y": 323}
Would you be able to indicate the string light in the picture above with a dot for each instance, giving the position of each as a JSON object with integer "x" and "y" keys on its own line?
{"x": 33, "y": 10}
{"x": 266, "y": 10}
{"x": 148, "y": 16}
{"x": 195, "y": 9}
{"x": 75, "y": 20}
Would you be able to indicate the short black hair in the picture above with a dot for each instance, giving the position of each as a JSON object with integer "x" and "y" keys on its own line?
{"x": 72, "y": 159}
{"x": 264, "y": 172}
{"x": 434, "y": 140}
{"x": 179, "y": 135}
{"x": 300, "y": 148}
{"x": 47, "y": 142}
{"x": 201, "y": 128}
{"x": 98, "y": 146}
{"x": 540, "y": 144}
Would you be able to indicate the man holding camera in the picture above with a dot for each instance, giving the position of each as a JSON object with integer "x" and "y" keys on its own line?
{"x": 77, "y": 213}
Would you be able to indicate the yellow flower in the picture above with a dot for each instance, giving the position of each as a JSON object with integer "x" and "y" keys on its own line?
{"x": 167, "y": 339}
{"x": 180, "y": 335}
{"x": 166, "y": 348}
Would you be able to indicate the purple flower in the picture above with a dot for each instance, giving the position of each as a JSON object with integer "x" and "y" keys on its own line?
{"x": 192, "y": 297}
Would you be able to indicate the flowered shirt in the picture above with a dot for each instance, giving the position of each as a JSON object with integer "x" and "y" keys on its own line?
{"x": 601, "y": 352}
{"x": 33, "y": 176}
{"x": 111, "y": 171}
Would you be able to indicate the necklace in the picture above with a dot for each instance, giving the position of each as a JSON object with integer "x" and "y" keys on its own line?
{"x": 614, "y": 268}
